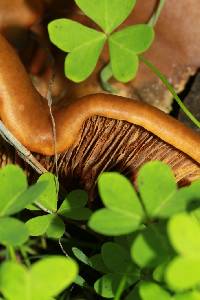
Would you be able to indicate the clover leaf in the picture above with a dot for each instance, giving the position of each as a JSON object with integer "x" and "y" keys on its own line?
{"x": 50, "y": 224}
{"x": 73, "y": 206}
{"x": 123, "y": 212}
{"x": 183, "y": 271}
{"x": 151, "y": 290}
{"x": 44, "y": 280}
{"x": 151, "y": 247}
{"x": 157, "y": 185}
{"x": 85, "y": 44}
{"x": 125, "y": 46}
{"x": 12, "y": 232}
{"x": 119, "y": 267}
{"x": 108, "y": 14}
{"x": 184, "y": 225}
{"x": 16, "y": 196}
{"x": 48, "y": 199}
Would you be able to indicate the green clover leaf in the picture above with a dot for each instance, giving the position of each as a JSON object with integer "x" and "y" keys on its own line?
{"x": 119, "y": 267}
{"x": 37, "y": 283}
{"x": 151, "y": 290}
{"x": 123, "y": 213}
{"x": 125, "y": 46}
{"x": 73, "y": 206}
{"x": 12, "y": 232}
{"x": 83, "y": 43}
{"x": 109, "y": 15}
{"x": 157, "y": 187}
{"x": 151, "y": 247}
{"x": 183, "y": 272}
{"x": 50, "y": 224}
{"x": 184, "y": 225}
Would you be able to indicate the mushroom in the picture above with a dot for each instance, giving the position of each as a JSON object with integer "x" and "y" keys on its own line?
{"x": 95, "y": 133}
{"x": 19, "y": 14}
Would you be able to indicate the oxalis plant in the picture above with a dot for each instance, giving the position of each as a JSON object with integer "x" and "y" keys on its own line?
{"x": 84, "y": 45}
{"x": 145, "y": 243}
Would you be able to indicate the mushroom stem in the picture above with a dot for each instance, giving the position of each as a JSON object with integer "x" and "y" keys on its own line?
{"x": 25, "y": 113}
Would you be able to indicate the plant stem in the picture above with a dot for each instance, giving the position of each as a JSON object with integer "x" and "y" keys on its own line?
{"x": 152, "y": 22}
{"x": 120, "y": 288}
{"x": 171, "y": 89}
{"x": 11, "y": 252}
{"x": 105, "y": 75}
{"x": 25, "y": 256}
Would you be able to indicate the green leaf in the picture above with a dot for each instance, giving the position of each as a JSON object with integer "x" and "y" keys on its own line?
{"x": 134, "y": 294}
{"x": 73, "y": 206}
{"x": 126, "y": 241}
{"x": 108, "y": 222}
{"x": 81, "y": 256}
{"x": 124, "y": 63}
{"x": 49, "y": 197}
{"x": 109, "y": 15}
{"x": 14, "y": 281}
{"x": 150, "y": 291}
{"x": 117, "y": 259}
{"x": 56, "y": 228}
{"x": 184, "y": 234}
{"x": 80, "y": 63}
{"x": 50, "y": 224}
{"x": 97, "y": 263}
{"x": 184, "y": 198}
{"x": 38, "y": 226}
{"x": 183, "y": 273}
{"x": 157, "y": 186}
{"x": 64, "y": 270}
{"x": 78, "y": 214}
{"x": 124, "y": 47}
{"x": 118, "y": 194}
{"x": 75, "y": 199}
{"x": 124, "y": 213}
{"x": 28, "y": 196}
{"x": 17, "y": 283}
{"x": 12, "y": 232}
{"x": 12, "y": 182}
{"x": 83, "y": 43}
{"x": 159, "y": 271}
{"x": 80, "y": 281}
{"x": 107, "y": 285}
{"x": 151, "y": 247}
{"x": 187, "y": 296}
{"x": 134, "y": 38}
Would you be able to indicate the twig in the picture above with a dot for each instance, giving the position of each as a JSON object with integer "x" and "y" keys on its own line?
{"x": 62, "y": 248}
{"x": 21, "y": 150}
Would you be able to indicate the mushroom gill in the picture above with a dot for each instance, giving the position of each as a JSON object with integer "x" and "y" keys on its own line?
{"x": 95, "y": 133}
{"x": 105, "y": 144}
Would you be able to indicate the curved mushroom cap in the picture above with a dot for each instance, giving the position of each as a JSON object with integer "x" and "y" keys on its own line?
{"x": 17, "y": 19}
{"x": 19, "y": 13}
{"x": 105, "y": 144}
{"x": 96, "y": 133}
